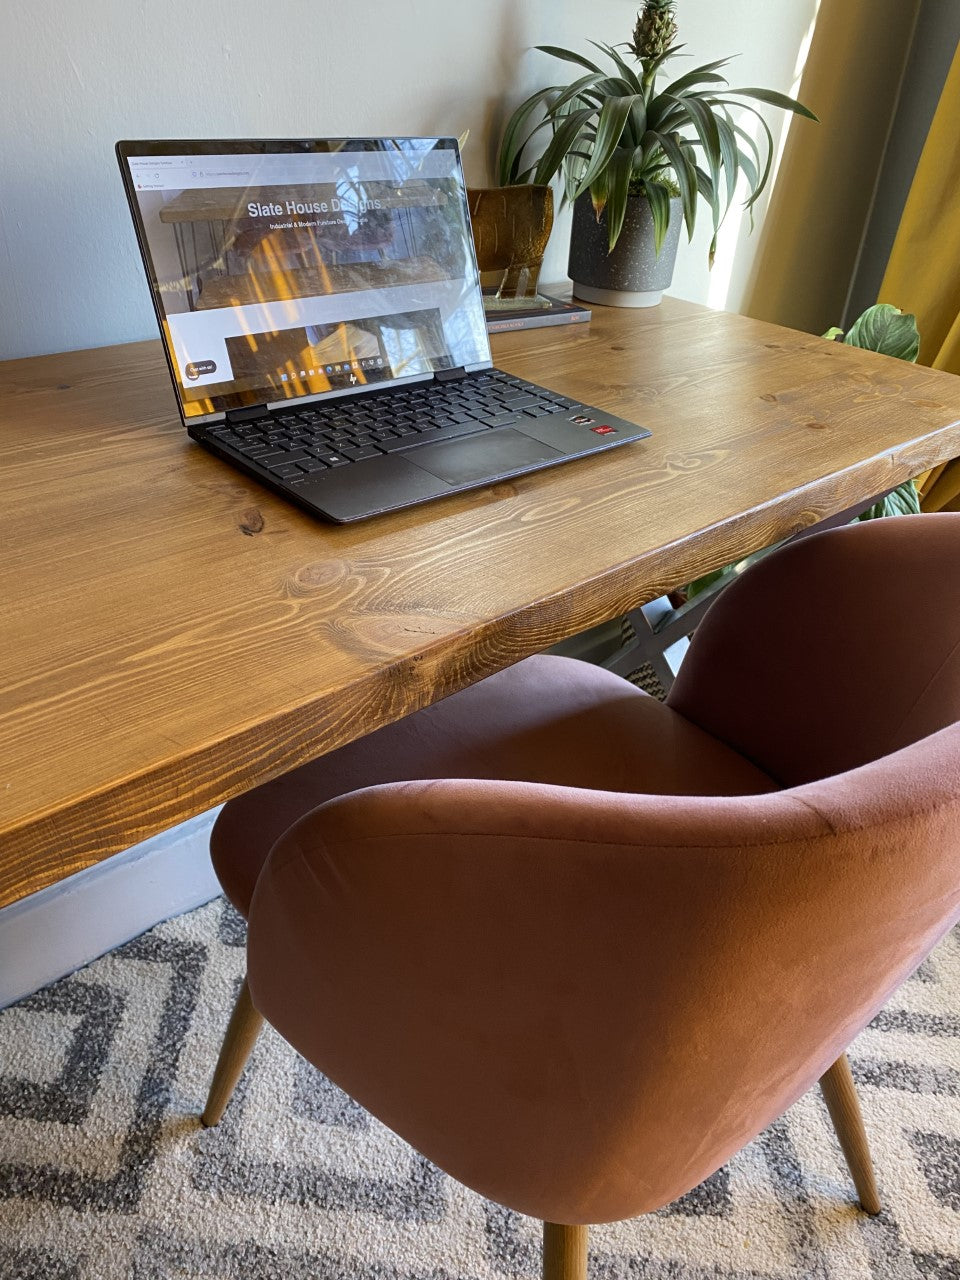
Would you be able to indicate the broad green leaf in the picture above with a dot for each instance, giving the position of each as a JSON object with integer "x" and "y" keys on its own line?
{"x": 526, "y": 175}
{"x": 902, "y": 501}
{"x": 886, "y": 329}
{"x": 610, "y": 89}
{"x": 699, "y": 585}
{"x": 728, "y": 572}
{"x": 638, "y": 121}
{"x": 833, "y": 334}
{"x": 686, "y": 175}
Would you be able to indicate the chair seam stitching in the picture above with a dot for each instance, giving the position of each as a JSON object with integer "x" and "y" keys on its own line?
{"x": 628, "y": 844}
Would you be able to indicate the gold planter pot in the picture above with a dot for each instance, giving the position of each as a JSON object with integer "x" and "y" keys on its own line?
{"x": 511, "y": 227}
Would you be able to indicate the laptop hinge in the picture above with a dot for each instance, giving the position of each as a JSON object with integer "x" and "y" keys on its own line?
{"x": 450, "y": 375}
{"x": 246, "y": 413}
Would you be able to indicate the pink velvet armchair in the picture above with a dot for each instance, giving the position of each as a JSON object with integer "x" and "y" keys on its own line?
{"x": 578, "y": 946}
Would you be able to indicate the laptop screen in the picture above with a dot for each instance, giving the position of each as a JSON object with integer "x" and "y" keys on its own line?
{"x": 295, "y": 269}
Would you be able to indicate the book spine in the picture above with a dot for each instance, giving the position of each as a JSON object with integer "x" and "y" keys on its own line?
{"x": 500, "y": 325}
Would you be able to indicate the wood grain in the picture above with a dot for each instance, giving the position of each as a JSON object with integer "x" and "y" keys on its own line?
{"x": 565, "y": 1252}
{"x": 172, "y": 634}
{"x": 243, "y": 1031}
{"x": 840, "y": 1095}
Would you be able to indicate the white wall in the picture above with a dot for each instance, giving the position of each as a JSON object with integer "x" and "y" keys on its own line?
{"x": 75, "y": 78}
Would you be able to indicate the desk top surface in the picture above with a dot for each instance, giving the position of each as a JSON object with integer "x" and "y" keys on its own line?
{"x": 172, "y": 633}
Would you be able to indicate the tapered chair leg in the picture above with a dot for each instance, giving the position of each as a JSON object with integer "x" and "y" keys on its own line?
{"x": 242, "y": 1032}
{"x": 843, "y": 1104}
{"x": 564, "y": 1252}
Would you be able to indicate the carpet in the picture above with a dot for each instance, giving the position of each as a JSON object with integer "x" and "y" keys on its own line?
{"x": 105, "y": 1172}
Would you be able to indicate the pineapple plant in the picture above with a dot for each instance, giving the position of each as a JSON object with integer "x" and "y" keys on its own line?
{"x": 613, "y": 133}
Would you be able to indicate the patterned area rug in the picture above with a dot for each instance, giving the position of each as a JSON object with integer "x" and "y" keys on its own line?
{"x": 105, "y": 1172}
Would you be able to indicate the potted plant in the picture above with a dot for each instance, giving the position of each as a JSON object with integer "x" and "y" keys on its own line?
{"x": 636, "y": 159}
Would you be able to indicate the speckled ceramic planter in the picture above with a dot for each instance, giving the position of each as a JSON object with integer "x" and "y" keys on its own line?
{"x": 633, "y": 275}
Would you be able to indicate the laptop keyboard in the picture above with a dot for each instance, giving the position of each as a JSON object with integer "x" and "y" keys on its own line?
{"x": 294, "y": 445}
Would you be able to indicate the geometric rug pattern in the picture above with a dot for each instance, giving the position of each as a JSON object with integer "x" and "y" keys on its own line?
{"x": 106, "y": 1173}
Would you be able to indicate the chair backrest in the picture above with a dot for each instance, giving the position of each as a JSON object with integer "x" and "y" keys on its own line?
{"x": 581, "y": 1003}
{"x": 833, "y": 651}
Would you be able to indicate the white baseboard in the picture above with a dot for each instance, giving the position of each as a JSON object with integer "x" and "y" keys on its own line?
{"x": 59, "y": 929}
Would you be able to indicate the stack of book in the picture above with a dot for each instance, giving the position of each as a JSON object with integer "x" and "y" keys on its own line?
{"x": 532, "y": 313}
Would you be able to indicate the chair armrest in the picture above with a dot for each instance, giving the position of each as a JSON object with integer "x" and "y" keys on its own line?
{"x": 533, "y": 984}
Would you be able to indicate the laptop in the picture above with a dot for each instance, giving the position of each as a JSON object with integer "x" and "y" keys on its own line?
{"x": 322, "y": 316}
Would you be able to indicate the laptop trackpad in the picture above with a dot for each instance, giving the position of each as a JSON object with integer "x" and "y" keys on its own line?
{"x": 482, "y": 457}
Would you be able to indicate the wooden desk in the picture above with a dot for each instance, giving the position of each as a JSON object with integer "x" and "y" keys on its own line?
{"x": 172, "y": 634}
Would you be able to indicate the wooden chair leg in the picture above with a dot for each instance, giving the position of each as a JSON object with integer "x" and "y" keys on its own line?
{"x": 564, "y": 1252}
{"x": 242, "y": 1032}
{"x": 843, "y": 1104}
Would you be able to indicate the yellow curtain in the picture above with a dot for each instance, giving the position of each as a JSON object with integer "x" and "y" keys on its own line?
{"x": 923, "y": 274}
{"x": 821, "y": 198}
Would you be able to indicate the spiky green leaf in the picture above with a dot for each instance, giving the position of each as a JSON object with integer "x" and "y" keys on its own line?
{"x": 699, "y": 75}
{"x": 626, "y": 70}
{"x": 685, "y": 174}
{"x": 599, "y": 192}
{"x": 768, "y": 159}
{"x": 729, "y": 156}
{"x": 618, "y": 174}
{"x": 511, "y": 147}
{"x": 705, "y": 123}
{"x": 567, "y": 55}
{"x": 651, "y": 69}
{"x": 579, "y": 88}
{"x": 565, "y": 137}
{"x": 774, "y": 99}
{"x": 610, "y": 126}
{"x": 659, "y": 198}
{"x": 750, "y": 164}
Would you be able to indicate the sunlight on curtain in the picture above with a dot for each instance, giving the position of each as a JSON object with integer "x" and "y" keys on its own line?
{"x": 737, "y": 221}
